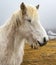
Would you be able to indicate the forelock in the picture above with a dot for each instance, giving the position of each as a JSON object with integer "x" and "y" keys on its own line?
{"x": 32, "y": 11}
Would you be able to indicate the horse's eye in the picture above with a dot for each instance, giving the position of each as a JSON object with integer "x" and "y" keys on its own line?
{"x": 29, "y": 20}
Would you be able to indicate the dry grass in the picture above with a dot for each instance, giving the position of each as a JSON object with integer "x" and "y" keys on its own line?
{"x": 45, "y": 55}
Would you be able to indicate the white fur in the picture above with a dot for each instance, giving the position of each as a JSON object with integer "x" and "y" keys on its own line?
{"x": 15, "y": 32}
{"x": 11, "y": 44}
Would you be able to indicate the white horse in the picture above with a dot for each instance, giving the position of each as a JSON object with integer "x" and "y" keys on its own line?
{"x": 23, "y": 25}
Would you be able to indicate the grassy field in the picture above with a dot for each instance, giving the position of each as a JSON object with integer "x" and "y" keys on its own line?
{"x": 45, "y": 55}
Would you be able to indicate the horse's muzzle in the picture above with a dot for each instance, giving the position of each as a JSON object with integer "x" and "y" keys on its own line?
{"x": 44, "y": 42}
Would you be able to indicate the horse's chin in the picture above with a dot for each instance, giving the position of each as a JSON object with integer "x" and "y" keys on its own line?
{"x": 34, "y": 45}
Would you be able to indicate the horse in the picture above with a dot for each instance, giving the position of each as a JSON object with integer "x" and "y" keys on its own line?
{"x": 22, "y": 26}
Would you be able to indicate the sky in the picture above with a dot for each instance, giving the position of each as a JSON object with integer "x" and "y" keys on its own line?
{"x": 47, "y": 10}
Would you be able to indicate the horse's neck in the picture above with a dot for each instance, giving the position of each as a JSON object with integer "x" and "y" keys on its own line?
{"x": 11, "y": 42}
{"x": 7, "y": 33}
{"x": 19, "y": 44}
{"x": 14, "y": 49}
{"x": 12, "y": 38}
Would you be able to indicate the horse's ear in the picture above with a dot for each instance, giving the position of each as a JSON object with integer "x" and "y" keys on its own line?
{"x": 23, "y": 8}
{"x": 37, "y": 6}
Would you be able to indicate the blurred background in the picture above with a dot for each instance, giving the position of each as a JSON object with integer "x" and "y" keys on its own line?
{"x": 47, "y": 12}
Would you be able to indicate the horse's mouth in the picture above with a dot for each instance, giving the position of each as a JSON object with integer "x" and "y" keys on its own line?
{"x": 35, "y": 46}
{"x": 42, "y": 44}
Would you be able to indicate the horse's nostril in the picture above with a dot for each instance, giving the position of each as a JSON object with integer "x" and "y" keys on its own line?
{"x": 44, "y": 40}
